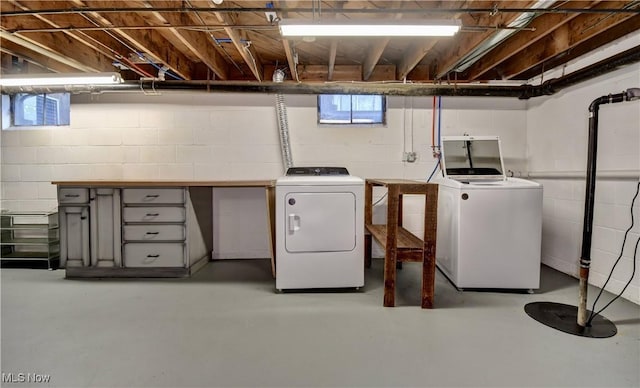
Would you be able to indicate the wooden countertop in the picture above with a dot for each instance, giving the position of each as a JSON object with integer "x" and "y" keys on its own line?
{"x": 167, "y": 183}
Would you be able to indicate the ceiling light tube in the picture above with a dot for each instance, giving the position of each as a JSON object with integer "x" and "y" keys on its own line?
{"x": 370, "y": 27}
{"x": 54, "y": 79}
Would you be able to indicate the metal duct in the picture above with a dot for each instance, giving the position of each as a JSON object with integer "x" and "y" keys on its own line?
{"x": 283, "y": 123}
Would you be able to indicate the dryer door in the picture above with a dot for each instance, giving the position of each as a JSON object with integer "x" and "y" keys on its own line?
{"x": 320, "y": 222}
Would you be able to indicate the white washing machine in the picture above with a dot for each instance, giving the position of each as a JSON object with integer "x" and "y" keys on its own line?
{"x": 489, "y": 225}
{"x": 319, "y": 229}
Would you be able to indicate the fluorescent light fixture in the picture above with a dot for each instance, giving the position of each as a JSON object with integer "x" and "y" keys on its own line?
{"x": 369, "y": 27}
{"x": 53, "y": 79}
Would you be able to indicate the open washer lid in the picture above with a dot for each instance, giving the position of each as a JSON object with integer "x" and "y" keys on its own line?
{"x": 472, "y": 158}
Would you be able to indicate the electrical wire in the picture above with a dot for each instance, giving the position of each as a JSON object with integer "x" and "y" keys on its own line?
{"x": 380, "y": 200}
{"x": 435, "y": 168}
{"x": 633, "y": 272}
{"x": 435, "y": 139}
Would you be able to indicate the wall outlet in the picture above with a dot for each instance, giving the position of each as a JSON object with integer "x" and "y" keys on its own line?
{"x": 409, "y": 157}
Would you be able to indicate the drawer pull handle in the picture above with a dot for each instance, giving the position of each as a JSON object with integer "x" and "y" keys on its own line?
{"x": 71, "y": 195}
{"x": 153, "y": 256}
{"x": 152, "y": 195}
{"x": 153, "y": 214}
{"x": 153, "y": 232}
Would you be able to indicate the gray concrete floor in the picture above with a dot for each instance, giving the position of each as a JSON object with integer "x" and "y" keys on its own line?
{"x": 227, "y": 327}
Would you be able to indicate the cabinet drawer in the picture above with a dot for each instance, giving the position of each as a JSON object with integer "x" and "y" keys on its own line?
{"x": 152, "y": 196}
{"x": 153, "y": 255}
{"x": 69, "y": 195}
{"x": 154, "y": 214}
{"x": 152, "y": 232}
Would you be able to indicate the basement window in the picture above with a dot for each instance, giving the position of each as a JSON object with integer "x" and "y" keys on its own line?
{"x": 40, "y": 110}
{"x": 351, "y": 109}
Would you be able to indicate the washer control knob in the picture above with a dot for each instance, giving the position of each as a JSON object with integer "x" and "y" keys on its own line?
{"x": 292, "y": 201}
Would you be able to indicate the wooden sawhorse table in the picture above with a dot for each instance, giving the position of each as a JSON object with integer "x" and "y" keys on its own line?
{"x": 399, "y": 244}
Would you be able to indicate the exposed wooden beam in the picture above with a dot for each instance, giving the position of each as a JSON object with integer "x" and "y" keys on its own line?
{"x": 414, "y": 55}
{"x": 50, "y": 42}
{"x": 286, "y": 44}
{"x": 199, "y": 43}
{"x": 61, "y": 48}
{"x": 618, "y": 31}
{"x": 373, "y": 56}
{"x": 240, "y": 41}
{"x": 320, "y": 72}
{"x": 149, "y": 42}
{"x": 564, "y": 38}
{"x": 376, "y": 49}
{"x": 10, "y": 48}
{"x": 420, "y": 47}
{"x": 520, "y": 41}
{"x": 464, "y": 42}
{"x": 95, "y": 40}
{"x": 333, "y": 50}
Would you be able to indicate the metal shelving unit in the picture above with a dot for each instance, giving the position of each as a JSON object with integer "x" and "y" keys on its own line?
{"x": 28, "y": 237}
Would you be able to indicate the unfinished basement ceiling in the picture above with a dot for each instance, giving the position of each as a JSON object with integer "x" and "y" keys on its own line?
{"x": 199, "y": 40}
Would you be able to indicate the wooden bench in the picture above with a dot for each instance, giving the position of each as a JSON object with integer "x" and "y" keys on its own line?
{"x": 399, "y": 244}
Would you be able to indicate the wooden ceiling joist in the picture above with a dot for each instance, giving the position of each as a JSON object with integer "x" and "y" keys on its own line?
{"x": 414, "y": 55}
{"x": 61, "y": 48}
{"x": 147, "y": 42}
{"x": 563, "y": 38}
{"x": 200, "y": 43}
{"x": 103, "y": 43}
{"x": 518, "y": 43}
{"x": 618, "y": 31}
{"x": 44, "y": 61}
{"x": 240, "y": 40}
{"x": 374, "y": 53}
{"x": 465, "y": 42}
{"x": 286, "y": 44}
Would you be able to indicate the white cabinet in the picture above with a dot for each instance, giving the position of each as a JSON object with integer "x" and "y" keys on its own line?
{"x": 73, "y": 209}
{"x": 105, "y": 227}
{"x": 90, "y": 227}
{"x": 152, "y": 220}
{"x": 123, "y": 231}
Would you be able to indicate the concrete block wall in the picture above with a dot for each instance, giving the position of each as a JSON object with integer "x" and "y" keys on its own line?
{"x": 557, "y": 131}
{"x": 185, "y": 136}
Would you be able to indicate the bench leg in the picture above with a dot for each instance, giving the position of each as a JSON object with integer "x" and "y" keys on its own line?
{"x": 367, "y": 251}
{"x": 390, "y": 280}
{"x": 428, "y": 278}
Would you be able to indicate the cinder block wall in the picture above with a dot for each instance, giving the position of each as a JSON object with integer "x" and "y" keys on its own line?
{"x": 201, "y": 136}
{"x": 557, "y": 130}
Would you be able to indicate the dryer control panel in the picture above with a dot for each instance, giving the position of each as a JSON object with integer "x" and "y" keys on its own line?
{"x": 312, "y": 171}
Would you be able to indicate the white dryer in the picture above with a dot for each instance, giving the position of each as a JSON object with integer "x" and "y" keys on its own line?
{"x": 489, "y": 225}
{"x": 319, "y": 229}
